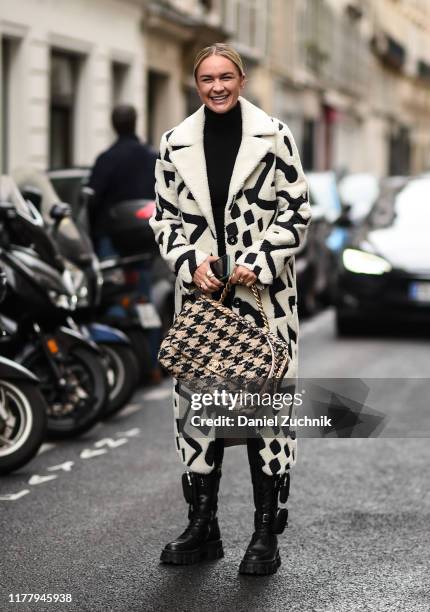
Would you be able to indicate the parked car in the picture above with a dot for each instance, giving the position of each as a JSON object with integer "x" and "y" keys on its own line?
{"x": 313, "y": 264}
{"x": 327, "y": 235}
{"x": 384, "y": 271}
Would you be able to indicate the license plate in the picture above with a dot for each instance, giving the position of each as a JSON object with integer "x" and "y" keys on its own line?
{"x": 148, "y": 316}
{"x": 420, "y": 292}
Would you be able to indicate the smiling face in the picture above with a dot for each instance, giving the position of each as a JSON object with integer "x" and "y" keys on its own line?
{"x": 219, "y": 83}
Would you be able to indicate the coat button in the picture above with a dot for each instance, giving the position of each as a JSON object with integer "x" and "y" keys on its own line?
{"x": 232, "y": 239}
{"x": 236, "y": 302}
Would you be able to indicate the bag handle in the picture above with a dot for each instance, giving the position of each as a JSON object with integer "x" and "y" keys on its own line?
{"x": 257, "y": 296}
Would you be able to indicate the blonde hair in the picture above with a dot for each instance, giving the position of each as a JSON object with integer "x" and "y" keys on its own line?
{"x": 219, "y": 49}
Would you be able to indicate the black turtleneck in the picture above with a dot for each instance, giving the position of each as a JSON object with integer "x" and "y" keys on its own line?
{"x": 222, "y": 138}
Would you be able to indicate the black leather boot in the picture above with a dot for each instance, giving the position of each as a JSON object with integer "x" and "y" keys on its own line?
{"x": 201, "y": 540}
{"x": 262, "y": 555}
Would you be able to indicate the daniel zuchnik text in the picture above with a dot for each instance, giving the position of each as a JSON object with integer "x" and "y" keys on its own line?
{"x": 246, "y": 421}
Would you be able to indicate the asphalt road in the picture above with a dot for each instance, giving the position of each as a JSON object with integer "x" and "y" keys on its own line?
{"x": 89, "y": 517}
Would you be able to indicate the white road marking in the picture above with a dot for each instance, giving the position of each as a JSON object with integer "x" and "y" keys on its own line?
{"x": 130, "y": 433}
{"x": 37, "y": 480}
{"x": 89, "y": 453}
{"x": 14, "y": 496}
{"x": 66, "y": 466}
{"x": 110, "y": 443}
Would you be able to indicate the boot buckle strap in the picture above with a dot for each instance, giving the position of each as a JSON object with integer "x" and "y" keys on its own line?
{"x": 281, "y": 521}
{"x": 187, "y": 487}
{"x": 284, "y": 489}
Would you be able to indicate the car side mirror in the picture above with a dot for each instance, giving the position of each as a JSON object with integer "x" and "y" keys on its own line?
{"x": 59, "y": 211}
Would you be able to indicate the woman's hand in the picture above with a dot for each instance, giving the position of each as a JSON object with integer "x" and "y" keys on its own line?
{"x": 205, "y": 279}
{"x": 243, "y": 276}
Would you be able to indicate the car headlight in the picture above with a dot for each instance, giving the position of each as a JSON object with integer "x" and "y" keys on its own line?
{"x": 361, "y": 262}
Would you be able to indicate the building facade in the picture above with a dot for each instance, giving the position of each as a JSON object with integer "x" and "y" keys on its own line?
{"x": 174, "y": 30}
{"x": 63, "y": 66}
{"x": 352, "y": 79}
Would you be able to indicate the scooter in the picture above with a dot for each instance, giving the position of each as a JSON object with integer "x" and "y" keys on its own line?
{"x": 40, "y": 298}
{"x": 75, "y": 247}
{"x": 22, "y": 408}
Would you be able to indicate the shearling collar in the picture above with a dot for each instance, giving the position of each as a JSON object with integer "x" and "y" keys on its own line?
{"x": 189, "y": 157}
{"x": 255, "y": 122}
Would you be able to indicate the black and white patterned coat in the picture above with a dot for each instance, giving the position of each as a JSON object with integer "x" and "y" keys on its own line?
{"x": 266, "y": 218}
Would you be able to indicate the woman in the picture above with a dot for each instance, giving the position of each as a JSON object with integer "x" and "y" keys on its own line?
{"x": 229, "y": 180}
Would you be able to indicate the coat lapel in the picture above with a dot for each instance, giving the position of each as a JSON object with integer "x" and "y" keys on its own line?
{"x": 251, "y": 152}
{"x": 189, "y": 158}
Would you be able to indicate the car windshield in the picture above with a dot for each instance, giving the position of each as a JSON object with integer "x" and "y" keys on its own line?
{"x": 68, "y": 188}
{"x": 409, "y": 206}
{"x": 324, "y": 193}
{"x": 359, "y": 191}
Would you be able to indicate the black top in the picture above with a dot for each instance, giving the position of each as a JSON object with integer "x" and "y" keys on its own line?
{"x": 126, "y": 171}
{"x": 222, "y": 138}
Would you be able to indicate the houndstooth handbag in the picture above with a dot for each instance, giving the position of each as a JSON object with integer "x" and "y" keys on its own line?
{"x": 209, "y": 345}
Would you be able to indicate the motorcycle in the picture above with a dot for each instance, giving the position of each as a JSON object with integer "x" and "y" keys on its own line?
{"x": 22, "y": 408}
{"x": 131, "y": 294}
{"x": 81, "y": 262}
{"x": 134, "y": 242}
{"x": 112, "y": 297}
{"x": 40, "y": 300}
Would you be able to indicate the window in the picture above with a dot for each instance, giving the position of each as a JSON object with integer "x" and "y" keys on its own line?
{"x": 399, "y": 151}
{"x": 64, "y": 73}
{"x": 207, "y": 5}
{"x": 13, "y": 124}
{"x": 247, "y": 21}
{"x": 317, "y": 24}
{"x": 157, "y": 104}
{"x": 120, "y": 74}
{"x": 308, "y": 149}
{"x": 5, "y": 102}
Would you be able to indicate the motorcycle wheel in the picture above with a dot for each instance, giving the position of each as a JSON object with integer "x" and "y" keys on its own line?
{"x": 22, "y": 424}
{"x": 122, "y": 374}
{"x": 74, "y": 409}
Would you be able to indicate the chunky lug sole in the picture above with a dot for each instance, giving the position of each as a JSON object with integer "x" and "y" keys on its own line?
{"x": 260, "y": 568}
{"x": 209, "y": 551}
